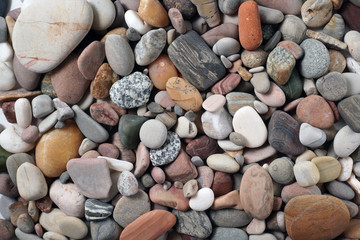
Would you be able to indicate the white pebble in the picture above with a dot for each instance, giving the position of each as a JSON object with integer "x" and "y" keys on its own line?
{"x": 23, "y": 112}
{"x": 10, "y": 140}
{"x": 6, "y": 52}
{"x": 104, "y": 13}
{"x": 8, "y": 80}
{"x": 346, "y": 141}
{"x": 118, "y": 165}
{"x": 311, "y": 136}
{"x": 202, "y": 200}
{"x": 346, "y": 168}
{"x": 133, "y": 20}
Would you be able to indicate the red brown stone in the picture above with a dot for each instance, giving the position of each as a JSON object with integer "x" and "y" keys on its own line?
{"x": 108, "y": 150}
{"x": 206, "y": 176}
{"x": 91, "y": 59}
{"x": 182, "y": 169}
{"x": 222, "y": 184}
{"x": 173, "y": 197}
{"x": 8, "y": 109}
{"x": 351, "y": 15}
{"x": 104, "y": 79}
{"x": 44, "y": 204}
{"x": 104, "y": 113}
{"x": 226, "y": 84}
{"x": 202, "y": 147}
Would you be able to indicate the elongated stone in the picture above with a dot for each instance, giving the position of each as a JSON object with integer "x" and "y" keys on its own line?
{"x": 97, "y": 210}
{"x": 208, "y": 9}
{"x": 349, "y": 109}
{"x": 202, "y": 72}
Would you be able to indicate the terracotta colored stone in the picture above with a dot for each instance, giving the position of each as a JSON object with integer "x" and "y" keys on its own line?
{"x": 226, "y": 84}
{"x": 294, "y": 190}
{"x": 292, "y": 47}
{"x": 172, "y": 197}
{"x": 250, "y": 33}
{"x": 152, "y": 12}
{"x": 161, "y": 70}
{"x": 205, "y": 177}
{"x": 184, "y": 94}
{"x": 91, "y": 59}
{"x": 104, "y": 113}
{"x": 256, "y": 192}
{"x": 351, "y": 15}
{"x": 8, "y": 109}
{"x": 149, "y": 226}
{"x": 222, "y": 183}
{"x": 52, "y": 151}
{"x": 104, "y": 79}
{"x": 315, "y": 111}
{"x": 202, "y": 147}
{"x": 68, "y": 82}
{"x": 182, "y": 169}
{"x": 353, "y": 230}
{"x": 316, "y": 217}
{"x": 229, "y": 200}
{"x": 221, "y": 31}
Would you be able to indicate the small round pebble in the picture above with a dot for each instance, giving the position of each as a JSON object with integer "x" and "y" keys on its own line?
{"x": 153, "y": 133}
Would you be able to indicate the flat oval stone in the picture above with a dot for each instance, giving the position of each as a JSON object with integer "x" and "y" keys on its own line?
{"x": 196, "y": 223}
{"x": 91, "y": 59}
{"x": 285, "y": 6}
{"x": 346, "y": 141}
{"x": 160, "y": 70}
{"x": 202, "y": 200}
{"x": 11, "y": 141}
{"x": 335, "y": 27}
{"x": 230, "y": 218}
{"x": 146, "y": 133}
{"x": 119, "y": 54}
{"x": 228, "y": 233}
{"x": 349, "y": 110}
{"x": 293, "y": 29}
{"x": 274, "y": 97}
{"x": 284, "y": 128}
{"x": 248, "y": 123}
{"x": 316, "y": 59}
{"x": 217, "y": 125}
{"x": 306, "y": 173}
{"x": 23, "y": 112}
{"x": 256, "y": 192}
{"x": 280, "y": 64}
{"x": 150, "y": 46}
{"x": 167, "y": 152}
{"x": 329, "y": 168}
{"x": 250, "y": 34}
{"x": 200, "y": 72}
{"x": 294, "y": 189}
{"x": 39, "y": 29}
{"x": 306, "y": 217}
{"x": 340, "y": 190}
{"x": 131, "y": 91}
{"x": 31, "y": 182}
{"x": 153, "y": 13}
{"x": 226, "y": 46}
{"x": 104, "y": 14}
{"x": 315, "y": 111}
{"x": 97, "y": 210}
{"x": 223, "y": 163}
{"x": 332, "y": 86}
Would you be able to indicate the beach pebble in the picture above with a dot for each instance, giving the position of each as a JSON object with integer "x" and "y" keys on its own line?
{"x": 129, "y": 128}
{"x": 270, "y": 15}
{"x": 177, "y": 20}
{"x": 146, "y": 136}
{"x": 329, "y": 168}
{"x": 172, "y": 197}
{"x": 346, "y": 141}
{"x": 285, "y": 6}
{"x": 250, "y": 34}
{"x": 223, "y": 163}
{"x": 23, "y": 112}
{"x": 294, "y": 190}
{"x": 150, "y": 46}
{"x": 91, "y": 59}
{"x": 349, "y": 111}
{"x": 6, "y": 229}
{"x": 202, "y": 147}
{"x": 281, "y": 171}
{"x": 185, "y": 128}
{"x": 306, "y": 173}
{"x": 181, "y": 169}
{"x": 217, "y": 125}
{"x": 255, "y": 58}
{"x": 340, "y": 190}
{"x": 352, "y": 39}
{"x": 30, "y": 134}
{"x": 160, "y": 70}
{"x": 337, "y": 61}
{"x": 335, "y": 27}
{"x": 274, "y": 97}
{"x": 226, "y": 46}
{"x": 133, "y": 20}
{"x": 152, "y": 12}
{"x": 167, "y": 152}
{"x": 25, "y": 223}
{"x": 352, "y": 83}
{"x": 42, "y": 105}
{"x": 293, "y": 29}
{"x": 230, "y": 218}
{"x": 127, "y": 184}
{"x": 186, "y": 7}
{"x": 116, "y": 47}
{"x": 332, "y": 86}
{"x": 10, "y": 140}
{"x": 316, "y": 13}
{"x": 228, "y": 233}
{"x": 196, "y": 223}
{"x": 280, "y": 64}
{"x": 53, "y": 236}
{"x": 104, "y": 14}
{"x": 8, "y": 78}
{"x": 3, "y": 30}
{"x": 202, "y": 200}
{"x": 63, "y": 111}
{"x": 96, "y": 210}
{"x": 292, "y": 47}
{"x": 310, "y": 136}
{"x": 7, "y": 52}
{"x": 346, "y": 168}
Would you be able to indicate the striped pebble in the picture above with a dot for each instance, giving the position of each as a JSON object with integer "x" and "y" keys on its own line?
{"x": 97, "y": 210}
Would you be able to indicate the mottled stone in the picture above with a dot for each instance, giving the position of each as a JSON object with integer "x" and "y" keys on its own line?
{"x": 96, "y": 210}
{"x": 237, "y": 100}
{"x": 332, "y": 86}
{"x": 280, "y": 64}
{"x": 150, "y": 46}
{"x": 202, "y": 147}
{"x": 194, "y": 223}
{"x": 186, "y": 7}
{"x": 104, "y": 78}
{"x": 316, "y": 13}
{"x": 293, "y": 29}
{"x": 91, "y": 58}
{"x": 168, "y": 152}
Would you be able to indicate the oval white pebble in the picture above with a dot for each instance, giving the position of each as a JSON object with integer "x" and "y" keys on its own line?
{"x": 6, "y": 52}
{"x": 346, "y": 141}
{"x": 311, "y": 136}
{"x": 346, "y": 168}
{"x": 10, "y": 140}
{"x": 118, "y": 165}
{"x": 104, "y": 14}
{"x": 223, "y": 163}
{"x": 202, "y": 200}
{"x": 8, "y": 80}
{"x": 133, "y": 20}
{"x": 214, "y": 103}
{"x": 23, "y": 112}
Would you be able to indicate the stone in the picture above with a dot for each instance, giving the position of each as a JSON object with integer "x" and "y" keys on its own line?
{"x": 185, "y": 128}
{"x": 258, "y": 154}
{"x": 329, "y": 41}
{"x": 131, "y": 91}
{"x": 31, "y": 182}
{"x": 202, "y": 147}
{"x": 186, "y": 8}
{"x": 160, "y": 70}
{"x": 294, "y": 87}
{"x": 217, "y": 125}
{"x": 258, "y": 134}
{"x": 202, "y": 200}
{"x": 133, "y": 20}
{"x": 150, "y": 46}
{"x": 96, "y": 210}
{"x": 292, "y": 47}
{"x": 208, "y": 11}
{"x": 8, "y": 109}
{"x": 315, "y": 111}
{"x": 281, "y": 171}
{"x": 226, "y": 46}
{"x": 3, "y": 30}
{"x": 273, "y": 41}
{"x": 230, "y": 218}
{"x": 68, "y": 82}
{"x": 229, "y": 200}
{"x": 223, "y": 30}
{"x": 202, "y": 73}
{"x": 23, "y": 112}
{"x": 237, "y": 100}
{"x": 7, "y": 230}
{"x": 255, "y": 58}
{"x": 104, "y": 14}
{"x": 310, "y": 136}
{"x": 108, "y": 150}
{"x": 105, "y": 229}
{"x": 173, "y": 197}
{"x": 340, "y": 190}
{"x": 167, "y": 152}
{"x": 129, "y": 128}
{"x": 81, "y": 171}
{"x": 316, "y": 13}
{"x": 26, "y": 78}
{"x": 53, "y": 235}
{"x": 294, "y": 190}
{"x": 329, "y": 168}
{"x": 250, "y": 34}
{"x": 287, "y": 7}
{"x": 91, "y": 59}
{"x": 132, "y": 34}
{"x": 274, "y": 97}
{"x": 21, "y": 235}
{"x": 351, "y": 81}
{"x": 104, "y": 78}
{"x": 229, "y": 7}
{"x": 117, "y": 165}
{"x": 25, "y": 223}
{"x": 177, "y": 20}
{"x": 46, "y": 86}
{"x": 346, "y": 141}
{"x": 350, "y": 12}
{"x": 222, "y": 183}
{"x": 301, "y": 212}
{"x": 11, "y": 142}
{"x": 73, "y": 30}
{"x": 352, "y": 231}
{"x": 152, "y": 12}
{"x": 104, "y": 113}
{"x": 194, "y": 223}
{"x": 348, "y": 109}
{"x": 68, "y": 198}
{"x": 147, "y": 130}
{"x": 52, "y": 163}
{"x": 190, "y": 188}
{"x": 256, "y": 194}
{"x": 14, "y": 161}
{"x": 306, "y": 173}
{"x": 335, "y": 27}
{"x": 351, "y": 39}
{"x": 223, "y": 163}
{"x": 127, "y": 184}
{"x": 293, "y": 29}
{"x": 42, "y": 105}
{"x": 7, "y": 187}
{"x": 181, "y": 169}
{"x": 280, "y": 64}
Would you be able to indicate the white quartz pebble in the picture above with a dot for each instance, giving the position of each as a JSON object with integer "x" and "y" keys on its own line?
{"x": 23, "y": 112}
{"x": 202, "y": 200}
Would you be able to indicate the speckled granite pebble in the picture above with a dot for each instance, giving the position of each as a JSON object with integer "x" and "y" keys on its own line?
{"x": 168, "y": 152}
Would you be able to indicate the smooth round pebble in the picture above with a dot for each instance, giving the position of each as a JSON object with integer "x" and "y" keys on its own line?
{"x": 153, "y": 133}
{"x": 223, "y": 163}
{"x": 202, "y": 200}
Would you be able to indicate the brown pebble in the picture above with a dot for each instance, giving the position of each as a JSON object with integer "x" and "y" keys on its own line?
{"x": 182, "y": 169}
{"x": 44, "y": 204}
{"x": 177, "y": 20}
{"x": 229, "y": 200}
{"x": 205, "y": 176}
{"x": 108, "y": 150}
{"x": 30, "y": 134}
{"x": 222, "y": 184}
{"x": 90, "y": 154}
{"x": 202, "y": 147}
{"x": 91, "y": 59}
{"x": 25, "y": 223}
{"x": 244, "y": 73}
{"x": 9, "y": 111}
{"x": 292, "y": 47}
{"x": 7, "y": 187}
{"x": 227, "y": 84}
{"x": 104, "y": 113}
{"x": 39, "y": 230}
{"x": 104, "y": 79}
{"x": 16, "y": 209}
{"x": 7, "y": 231}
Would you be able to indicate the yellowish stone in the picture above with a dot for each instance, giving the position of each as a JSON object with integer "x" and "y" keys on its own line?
{"x": 329, "y": 168}
{"x": 152, "y": 12}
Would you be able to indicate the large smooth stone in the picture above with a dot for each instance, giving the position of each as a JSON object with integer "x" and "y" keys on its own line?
{"x": 217, "y": 125}
{"x": 248, "y": 123}
{"x": 43, "y": 41}
{"x": 285, "y": 129}
{"x": 195, "y": 223}
{"x": 149, "y": 226}
{"x": 202, "y": 72}
{"x": 314, "y": 217}
{"x": 256, "y": 192}
{"x": 10, "y": 140}
{"x": 56, "y": 147}
{"x": 349, "y": 109}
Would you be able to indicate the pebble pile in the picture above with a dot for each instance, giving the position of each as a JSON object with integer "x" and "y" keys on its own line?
{"x": 180, "y": 119}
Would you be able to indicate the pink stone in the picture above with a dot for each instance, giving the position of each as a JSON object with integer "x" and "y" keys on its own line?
{"x": 158, "y": 175}
{"x": 214, "y": 103}
{"x": 252, "y": 155}
{"x": 108, "y": 150}
{"x": 30, "y": 134}
{"x": 205, "y": 176}
{"x": 142, "y": 160}
{"x": 91, "y": 59}
{"x": 275, "y": 97}
{"x": 294, "y": 190}
{"x": 163, "y": 99}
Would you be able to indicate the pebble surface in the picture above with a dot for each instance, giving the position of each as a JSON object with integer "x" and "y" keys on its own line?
{"x": 180, "y": 119}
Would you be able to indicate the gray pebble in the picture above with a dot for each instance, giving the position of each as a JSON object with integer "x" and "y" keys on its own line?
{"x": 190, "y": 115}
{"x": 226, "y": 46}
{"x": 89, "y": 127}
{"x": 194, "y": 223}
{"x": 42, "y": 106}
{"x": 293, "y": 29}
{"x": 178, "y": 110}
{"x": 63, "y": 110}
{"x": 230, "y": 218}
{"x": 48, "y": 122}
{"x": 332, "y": 86}
{"x": 155, "y": 108}
{"x": 226, "y": 62}
{"x": 25, "y": 236}
{"x": 282, "y": 170}
{"x": 59, "y": 125}
{"x": 127, "y": 184}
{"x": 261, "y": 82}
{"x": 352, "y": 207}
{"x": 14, "y": 161}
{"x": 105, "y": 229}
{"x": 229, "y": 7}
{"x": 237, "y": 138}
{"x": 64, "y": 177}
{"x": 197, "y": 161}
{"x": 96, "y": 210}
{"x": 316, "y": 59}
{"x": 271, "y": 44}
{"x": 150, "y": 46}
{"x": 264, "y": 236}
{"x": 3, "y": 30}
{"x": 132, "y": 34}
{"x": 340, "y": 190}
{"x": 25, "y": 223}
{"x": 270, "y": 15}
{"x": 147, "y": 180}
{"x": 221, "y": 233}
{"x": 234, "y": 57}
{"x": 239, "y": 158}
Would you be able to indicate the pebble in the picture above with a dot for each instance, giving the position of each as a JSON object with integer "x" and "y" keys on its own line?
{"x": 3, "y": 30}
{"x": 105, "y": 229}
{"x": 185, "y": 128}
{"x": 270, "y": 15}
{"x": 68, "y": 198}
{"x": 116, "y": 47}
{"x": 150, "y": 46}
{"x": 203, "y": 72}
{"x": 346, "y": 168}
{"x": 352, "y": 40}
{"x": 133, "y": 20}
{"x": 280, "y": 64}
{"x": 350, "y": 14}
{"x": 153, "y": 13}
{"x": 190, "y": 188}
{"x": 226, "y": 46}
{"x": 349, "y": 110}
{"x": 129, "y": 128}
{"x": 281, "y": 171}
{"x": 351, "y": 82}
{"x": 148, "y": 128}
{"x": 293, "y": 48}
{"x": 228, "y": 233}
{"x": 256, "y": 192}
{"x": 63, "y": 111}
{"x": 119, "y": 14}
{"x": 294, "y": 189}
{"x": 306, "y": 173}
{"x": 223, "y": 163}
{"x": 82, "y": 170}
{"x": 285, "y": 6}
{"x": 340, "y": 190}
{"x": 7, "y": 187}
{"x": 127, "y": 184}
{"x": 160, "y": 70}
{"x": 293, "y": 29}
{"x": 42, "y": 105}
{"x": 337, "y": 61}
{"x": 256, "y": 226}
{"x": 250, "y": 34}
{"x": 22, "y": 236}
{"x": 315, "y": 111}
{"x": 310, "y": 136}
{"x": 274, "y": 97}
{"x": 202, "y": 147}
{"x": 25, "y": 223}
{"x": 181, "y": 169}
{"x": 26, "y": 78}
{"x": 230, "y": 218}
{"x": 273, "y": 41}
{"x": 227, "y": 84}
{"x": 327, "y": 40}
{"x": 186, "y": 7}
{"x": 41, "y": 41}
{"x": 23, "y": 112}
{"x": 108, "y": 150}
{"x": 167, "y": 152}
{"x": 6, "y": 229}
{"x": 196, "y": 223}
{"x": 91, "y": 59}
{"x": 11, "y": 142}
{"x": 335, "y": 27}
{"x": 346, "y": 141}
{"x": 202, "y": 200}
{"x": 316, "y": 13}
{"x": 137, "y": 88}
{"x": 9, "y": 79}
{"x": 217, "y": 125}
{"x": 237, "y": 100}
{"x": 53, "y": 236}
{"x": 255, "y": 58}
{"x": 104, "y": 14}
{"x": 301, "y": 212}
{"x": 96, "y": 210}
{"x": 228, "y": 145}
{"x": 177, "y": 20}
{"x": 133, "y": 35}
{"x": 329, "y": 168}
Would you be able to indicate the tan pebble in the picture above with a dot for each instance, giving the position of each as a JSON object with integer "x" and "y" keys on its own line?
{"x": 104, "y": 79}
{"x": 161, "y": 70}
{"x": 316, "y": 13}
{"x": 208, "y": 9}
{"x": 190, "y": 188}
{"x": 256, "y": 226}
{"x": 152, "y": 12}
{"x": 244, "y": 73}
{"x": 119, "y": 31}
{"x": 306, "y": 173}
{"x": 337, "y": 61}
{"x": 306, "y": 156}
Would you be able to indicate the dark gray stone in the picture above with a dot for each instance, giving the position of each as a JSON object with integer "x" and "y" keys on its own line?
{"x": 340, "y": 190}
{"x": 64, "y": 177}
{"x": 332, "y": 86}
{"x": 186, "y": 7}
{"x": 132, "y": 34}
{"x": 150, "y": 46}
{"x": 231, "y": 218}
{"x": 119, "y": 17}
{"x": 131, "y": 91}
{"x": 97, "y": 210}
{"x": 229, "y": 7}
{"x": 3, "y": 30}
{"x": 155, "y": 108}
{"x": 168, "y": 152}
{"x": 271, "y": 44}
{"x": 196, "y": 62}
{"x": 106, "y": 229}
{"x": 349, "y": 109}
{"x": 193, "y": 223}
{"x": 221, "y": 233}
{"x": 4, "y": 7}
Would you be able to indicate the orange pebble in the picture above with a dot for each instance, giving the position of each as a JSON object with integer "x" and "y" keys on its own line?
{"x": 250, "y": 33}
{"x": 161, "y": 70}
